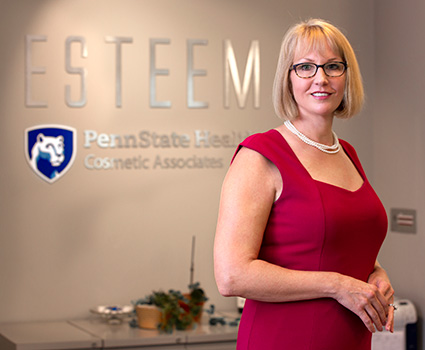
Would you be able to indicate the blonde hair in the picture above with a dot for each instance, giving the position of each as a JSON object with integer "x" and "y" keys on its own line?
{"x": 316, "y": 34}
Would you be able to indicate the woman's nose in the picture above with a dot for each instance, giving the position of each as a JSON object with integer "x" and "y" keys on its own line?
{"x": 321, "y": 76}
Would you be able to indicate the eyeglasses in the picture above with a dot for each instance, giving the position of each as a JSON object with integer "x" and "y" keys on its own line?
{"x": 309, "y": 70}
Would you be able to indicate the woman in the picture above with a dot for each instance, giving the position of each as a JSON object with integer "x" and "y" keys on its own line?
{"x": 299, "y": 225}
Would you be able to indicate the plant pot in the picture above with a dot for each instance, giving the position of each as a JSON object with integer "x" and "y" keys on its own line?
{"x": 197, "y": 318}
{"x": 148, "y": 316}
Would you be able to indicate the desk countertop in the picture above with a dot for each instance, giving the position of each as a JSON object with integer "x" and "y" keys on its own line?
{"x": 124, "y": 335}
{"x": 54, "y": 335}
{"x": 95, "y": 333}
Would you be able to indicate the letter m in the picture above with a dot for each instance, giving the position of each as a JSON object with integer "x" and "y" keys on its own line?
{"x": 231, "y": 70}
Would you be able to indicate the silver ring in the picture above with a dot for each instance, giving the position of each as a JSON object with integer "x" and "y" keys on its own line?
{"x": 395, "y": 307}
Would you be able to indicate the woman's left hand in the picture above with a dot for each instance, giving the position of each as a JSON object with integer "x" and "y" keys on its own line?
{"x": 380, "y": 279}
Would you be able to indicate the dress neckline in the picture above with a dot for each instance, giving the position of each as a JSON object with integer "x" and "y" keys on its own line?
{"x": 362, "y": 175}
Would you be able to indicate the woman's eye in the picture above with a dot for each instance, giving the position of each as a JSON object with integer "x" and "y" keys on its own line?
{"x": 333, "y": 66}
{"x": 306, "y": 67}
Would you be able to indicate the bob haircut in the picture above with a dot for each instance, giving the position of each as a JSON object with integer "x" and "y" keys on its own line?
{"x": 316, "y": 34}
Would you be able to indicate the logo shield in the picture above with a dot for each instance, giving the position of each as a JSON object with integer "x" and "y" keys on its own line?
{"x": 50, "y": 150}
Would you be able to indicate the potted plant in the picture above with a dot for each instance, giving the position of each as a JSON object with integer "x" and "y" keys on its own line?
{"x": 172, "y": 310}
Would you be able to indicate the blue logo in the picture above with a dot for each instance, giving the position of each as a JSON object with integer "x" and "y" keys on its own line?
{"x": 50, "y": 150}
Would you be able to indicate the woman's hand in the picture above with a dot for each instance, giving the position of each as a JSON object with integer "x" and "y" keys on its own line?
{"x": 379, "y": 278}
{"x": 366, "y": 300}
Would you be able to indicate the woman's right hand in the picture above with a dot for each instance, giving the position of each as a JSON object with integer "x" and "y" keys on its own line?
{"x": 365, "y": 300}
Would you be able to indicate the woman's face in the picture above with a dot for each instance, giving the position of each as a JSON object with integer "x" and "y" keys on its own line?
{"x": 319, "y": 95}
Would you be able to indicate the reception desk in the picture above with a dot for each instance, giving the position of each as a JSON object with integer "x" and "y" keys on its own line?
{"x": 97, "y": 334}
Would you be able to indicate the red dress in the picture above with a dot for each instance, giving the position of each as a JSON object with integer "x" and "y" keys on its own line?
{"x": 313, "y": 226}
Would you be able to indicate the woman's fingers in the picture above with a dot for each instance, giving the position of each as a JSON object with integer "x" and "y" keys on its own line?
{"x": 390, "y": 322}
{"x": 388, "y": 293}
{"x": 390, "y": 318}
{"x": 382, "y": 306}
{"x": 379, "y": 278}
{"x": 364, "y": 316}
{"x": 374, "y": 314}
{"x": 386, "y": 289}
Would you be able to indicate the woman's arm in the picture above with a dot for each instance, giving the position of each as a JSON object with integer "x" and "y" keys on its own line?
{"x": 248, "y": 193}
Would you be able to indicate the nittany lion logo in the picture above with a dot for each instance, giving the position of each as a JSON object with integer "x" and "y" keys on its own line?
{"x": 50, "y": 150}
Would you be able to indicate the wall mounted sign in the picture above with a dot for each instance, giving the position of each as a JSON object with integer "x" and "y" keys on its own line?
{"x": 231, "y": 71}
{"x": 51, "y": 150}
{"x": 147, "y": 140}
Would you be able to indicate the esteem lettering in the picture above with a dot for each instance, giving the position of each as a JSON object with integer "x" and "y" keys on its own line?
{"x": 231, "y": 72}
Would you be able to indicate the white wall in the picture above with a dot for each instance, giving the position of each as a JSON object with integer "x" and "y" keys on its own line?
{"x": 399, "y": 128}
{"x": 97, "y": 237}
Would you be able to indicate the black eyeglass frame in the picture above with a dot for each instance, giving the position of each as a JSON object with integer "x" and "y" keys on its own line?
{"x": 294, "y": 68}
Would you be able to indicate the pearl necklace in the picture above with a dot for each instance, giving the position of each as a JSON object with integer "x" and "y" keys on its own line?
{"x": 324, "y": 148}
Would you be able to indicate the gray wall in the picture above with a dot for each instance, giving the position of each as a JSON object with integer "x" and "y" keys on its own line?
{"x": 399, "y": 129}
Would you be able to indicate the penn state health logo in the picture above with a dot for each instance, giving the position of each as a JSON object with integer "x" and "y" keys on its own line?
{"x": 50, "y": 150}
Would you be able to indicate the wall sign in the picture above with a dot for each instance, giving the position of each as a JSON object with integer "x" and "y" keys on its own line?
{"x": 231, "y": 71}
{"x": 147, "y": 141}
{"x": 51, "y": 150}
